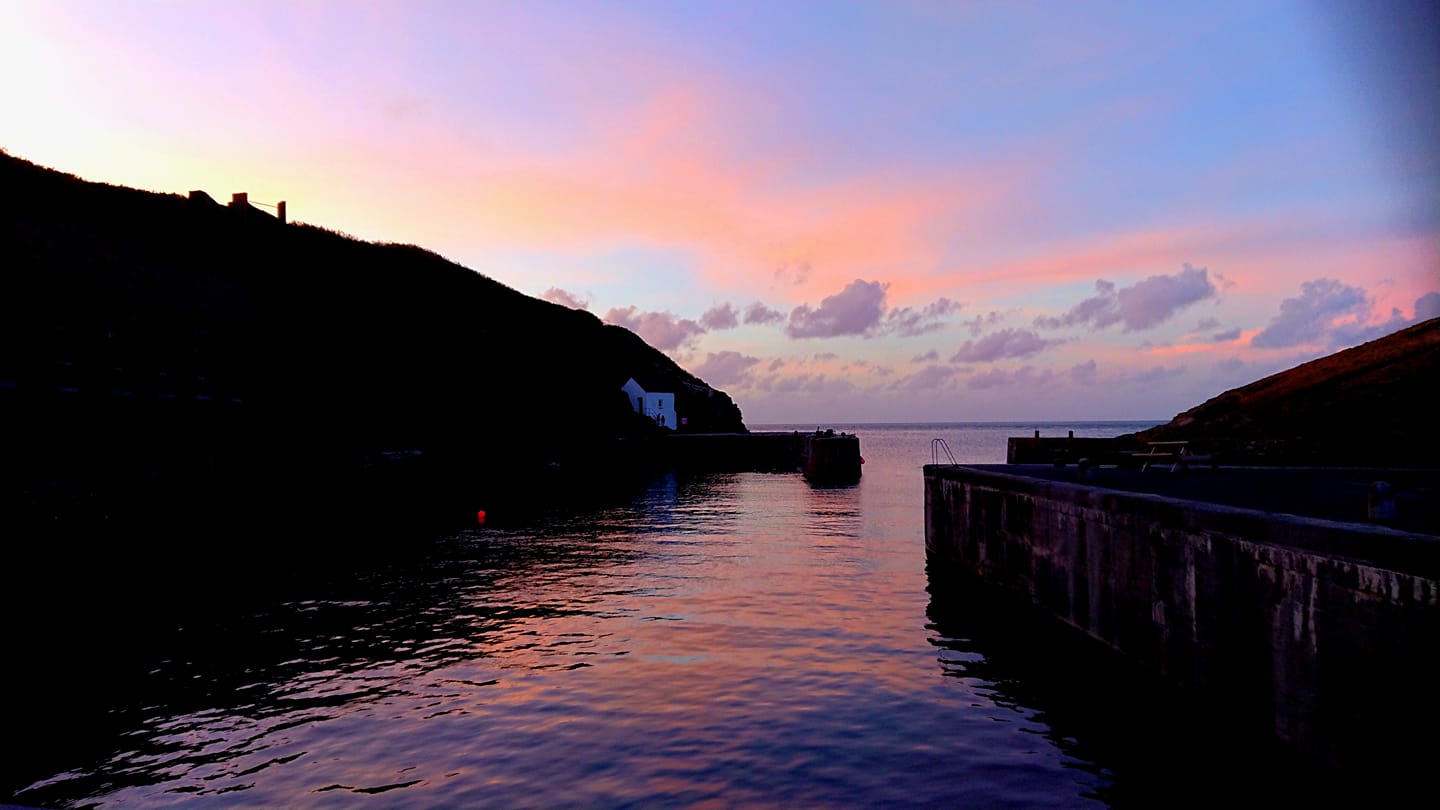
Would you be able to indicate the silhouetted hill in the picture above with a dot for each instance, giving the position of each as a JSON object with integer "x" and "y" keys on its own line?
{"x": 140, "y": 327}
{"x": 1374, "y": 404}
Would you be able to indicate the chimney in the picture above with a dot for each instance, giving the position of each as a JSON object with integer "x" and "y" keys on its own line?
{"x": 239, "y": 198}
{"x": 280, "y": 211}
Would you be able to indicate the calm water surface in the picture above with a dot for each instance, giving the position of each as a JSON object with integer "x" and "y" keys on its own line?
{"x": 716, "y": 640}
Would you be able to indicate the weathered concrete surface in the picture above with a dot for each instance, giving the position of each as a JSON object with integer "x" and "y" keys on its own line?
{"x": 1324, "y": 634}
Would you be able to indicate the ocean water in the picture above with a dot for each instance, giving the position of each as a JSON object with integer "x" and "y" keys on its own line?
{"x": 715, "y": 640}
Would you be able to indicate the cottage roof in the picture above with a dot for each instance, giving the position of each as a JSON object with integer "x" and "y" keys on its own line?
{"x": 651, "y": 383}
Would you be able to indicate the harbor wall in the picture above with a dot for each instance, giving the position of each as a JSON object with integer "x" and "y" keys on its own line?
{"x": 729, "y": 452}
{"x": 1324, "y": 634}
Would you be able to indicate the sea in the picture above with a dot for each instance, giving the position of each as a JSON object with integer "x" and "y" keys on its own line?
{"x": 704, "y": 640}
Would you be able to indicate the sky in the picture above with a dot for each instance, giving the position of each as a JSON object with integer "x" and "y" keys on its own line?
{"x": 833, "y": 211}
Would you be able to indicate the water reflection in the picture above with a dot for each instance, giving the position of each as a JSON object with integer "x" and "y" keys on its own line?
{"x": 730, "y": 639}
{"x": 219, "y": 701}
{"x": 1145, "y": 746}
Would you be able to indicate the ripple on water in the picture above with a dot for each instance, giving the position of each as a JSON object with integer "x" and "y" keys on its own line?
{"x": 736, "y": 639}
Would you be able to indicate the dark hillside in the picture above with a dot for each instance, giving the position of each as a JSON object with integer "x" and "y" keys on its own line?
{"x": 155, "y": 345}
{"x": 1371, "y": 405}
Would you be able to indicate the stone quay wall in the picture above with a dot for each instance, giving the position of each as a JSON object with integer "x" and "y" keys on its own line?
{"x": 1324, "y": 634}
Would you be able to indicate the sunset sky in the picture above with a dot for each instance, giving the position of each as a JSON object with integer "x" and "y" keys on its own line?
{"x": 833, "y": 211}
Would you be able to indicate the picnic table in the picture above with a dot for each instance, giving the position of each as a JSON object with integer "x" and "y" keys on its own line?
{"x": 1177, "y": 453}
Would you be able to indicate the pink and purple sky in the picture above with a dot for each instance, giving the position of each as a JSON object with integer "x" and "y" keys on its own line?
{"x": 834, "y": 211}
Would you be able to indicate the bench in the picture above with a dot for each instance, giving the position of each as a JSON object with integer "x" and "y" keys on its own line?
{"x": 1177, "y": 453}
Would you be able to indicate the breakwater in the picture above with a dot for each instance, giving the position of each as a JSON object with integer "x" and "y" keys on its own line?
{"x": 1295, "y": 627}
{"x": 822, "y": 456}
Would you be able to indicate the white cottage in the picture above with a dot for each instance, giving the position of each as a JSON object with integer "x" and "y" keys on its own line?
{"x": 658, "y": 405}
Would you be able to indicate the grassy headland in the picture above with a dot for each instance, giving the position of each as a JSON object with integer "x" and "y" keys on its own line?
{"x": 166, "y": 350}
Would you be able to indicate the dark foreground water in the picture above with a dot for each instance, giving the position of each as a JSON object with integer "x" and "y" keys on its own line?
{"x": 716, "y": 640}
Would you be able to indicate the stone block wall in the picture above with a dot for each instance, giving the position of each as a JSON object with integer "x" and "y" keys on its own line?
{"x": 1324, "y": 634}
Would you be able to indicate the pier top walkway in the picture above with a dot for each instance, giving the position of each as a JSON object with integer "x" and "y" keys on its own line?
{"x": 1406, "y": 499}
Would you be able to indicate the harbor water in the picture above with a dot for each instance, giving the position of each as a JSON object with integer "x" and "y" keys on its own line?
{"x": 715, "y": 640}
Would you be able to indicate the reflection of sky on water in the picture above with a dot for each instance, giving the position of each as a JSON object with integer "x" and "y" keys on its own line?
{"x": 740, "y": 638}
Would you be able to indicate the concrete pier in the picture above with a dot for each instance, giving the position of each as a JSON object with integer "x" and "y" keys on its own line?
{"x": 1322, "y": 633}
{"x": 823, "y": 457}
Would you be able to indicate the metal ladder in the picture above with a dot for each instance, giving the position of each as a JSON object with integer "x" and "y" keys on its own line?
{"x": 938, "y": 446}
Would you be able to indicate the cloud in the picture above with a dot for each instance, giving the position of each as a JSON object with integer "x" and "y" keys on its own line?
{"x": 1002, "y": 344}
{"x": 663, "y": 330}
{"x": 1099, "y": 311}
{"x": 928, "y": 378}
{"x": 1427, "y": 306}
{"x": 824, "y": 356}
{"x": 1310, "y": 317}
{"x": 725, "y": 368}
{"x": 776, "y": 364}
{"x": 977, "y": 324}
{"x": 854, "y": 310}
{"x": 555, "y": 295}
{"x": 806, "y": 384}
{"x": 758, "y": 313}
{"x": 1082, "y": 373}
{"x": 1354, "y": 333}
{"x": 793, "y": 272}
{"x": 720, "y": 316}
{"x": 928, "y": 357}
{"x": 997, "y": 378}
{"x": 1226, "y": 337}
{"x": 1207, "y": 323}
{"x": 1155, "y": 374}
{"x": 908, "y": 322}
{"x": 1155, "y": 300}
{"x": 1143, "y": 305}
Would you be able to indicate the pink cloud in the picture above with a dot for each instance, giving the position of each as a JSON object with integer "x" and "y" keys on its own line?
{"x": 854, "y": 310}
{"x": 977, "y": 324}
{"x": 1260, "y": 257}
{"x": 1007, "y": 343}
{"x": 663, "y": 330}
{"x": 999, "y": 378}
{"x": 1334, "y": 315}
{"x": 720, "y": 369}
{"x": 719, "y": 317}
{"x": 1210, "y": 344}
{"x": 1083, "y": 373}
{"x": 927, "y": 379}
{"x": 909, "y": 322}
{"x": 1143, "y": 305}
{"x": 555, "y": 295}
{"x": 758, "y": 313}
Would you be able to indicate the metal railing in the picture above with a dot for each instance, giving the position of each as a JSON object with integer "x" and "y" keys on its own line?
{"x": 939, "y": 446}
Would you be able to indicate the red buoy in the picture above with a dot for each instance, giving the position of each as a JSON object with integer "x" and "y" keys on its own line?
{"x": 481, "y": 516}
